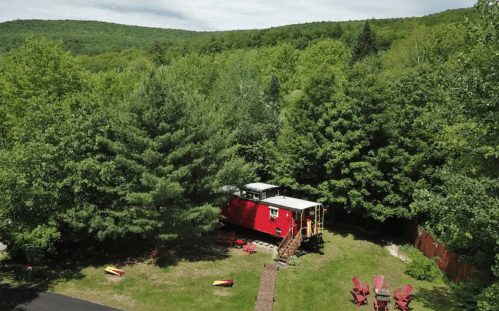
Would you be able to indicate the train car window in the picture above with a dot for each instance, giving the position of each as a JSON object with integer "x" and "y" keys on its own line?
{"x": 272, "y": 193}
{"x": 274, "y": 212}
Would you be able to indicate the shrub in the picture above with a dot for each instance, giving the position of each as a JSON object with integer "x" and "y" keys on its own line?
{"x": 488, "y": 300}
{"x": 421, "y": 267}
{"x": 465, "y": 295}
{"x": 409, "y": 250}
{"x": 293, "y": 261}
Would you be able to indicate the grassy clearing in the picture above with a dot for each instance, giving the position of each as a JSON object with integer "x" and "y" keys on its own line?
{"x": 320, "y": 282}
{"x": 186, "y": 286}
{"x": 323, "y": 282}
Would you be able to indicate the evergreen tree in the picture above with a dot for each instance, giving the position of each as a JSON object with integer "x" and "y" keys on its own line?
{"x": 157, "y": 52}
{"x": 79, "y": 169}
{"x": 335, "y": 31}
{"x": 274, "y": 89}
{"x": 171, "y": 146}
{"x": 215, "y": 45}
{"x": 365, "y": 44}
{"x": 273, "y": 96}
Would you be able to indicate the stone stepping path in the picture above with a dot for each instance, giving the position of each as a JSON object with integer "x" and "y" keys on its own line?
{"x": 272, "y": 248}
{"x": 263, "y": 245}
{"x": 265, "y": 297}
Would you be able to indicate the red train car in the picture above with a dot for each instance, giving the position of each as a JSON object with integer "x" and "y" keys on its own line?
{"x": 260, "y": 207}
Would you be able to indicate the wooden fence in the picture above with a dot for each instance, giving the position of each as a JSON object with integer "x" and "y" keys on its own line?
{"x": 407, "y": 230}
{"x": 458, "y": 271}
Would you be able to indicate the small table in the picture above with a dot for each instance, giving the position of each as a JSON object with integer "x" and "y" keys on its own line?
{"x": 239, "y": 243}
{"x": 382, "y": 294}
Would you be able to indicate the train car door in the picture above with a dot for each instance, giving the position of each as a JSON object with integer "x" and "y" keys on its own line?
{"x": 296, "y": 223}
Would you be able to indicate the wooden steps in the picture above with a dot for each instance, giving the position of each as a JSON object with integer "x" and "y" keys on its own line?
{"x": 288, "y": 248}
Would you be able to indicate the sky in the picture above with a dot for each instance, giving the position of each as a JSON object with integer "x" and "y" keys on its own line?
{"x": 220, "y": 15}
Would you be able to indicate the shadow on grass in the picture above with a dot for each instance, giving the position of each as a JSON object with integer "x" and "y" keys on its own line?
{"x": 359, "y": 233}
{"x": 67, "y": 264}
{"x": 438, "y": 298}
{"x": 200, "y": 249}
{"x": 354, "y": 301}
{"x": 251, "y": 234}
{"x": 29, "y": 283}
{"x": 69, "y": 261}
{"x": 12, "y": 297}
{"x": 40, "y": 277}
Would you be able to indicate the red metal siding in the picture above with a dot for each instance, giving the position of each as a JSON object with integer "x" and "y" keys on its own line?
{"x": 256, "y": 216}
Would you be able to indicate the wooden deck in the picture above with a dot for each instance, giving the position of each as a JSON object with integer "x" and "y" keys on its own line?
{"x": 265, "y": 298}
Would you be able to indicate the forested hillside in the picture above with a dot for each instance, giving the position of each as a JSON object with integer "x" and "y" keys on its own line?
{"x": 93, "y": 38}
{"x": 88, "y": 37}
{"x": 374, "y": 117}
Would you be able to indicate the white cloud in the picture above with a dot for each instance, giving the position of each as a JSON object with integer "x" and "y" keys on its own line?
{"x": 214, "y": 15}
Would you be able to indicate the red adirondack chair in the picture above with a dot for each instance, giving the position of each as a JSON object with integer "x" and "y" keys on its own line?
{"x": 251, "y": 249}
{"x": 403, "y": 305}
{"x": 378, "y": 282}
{"x": 380, "y": 305}
{"x": 359, "y": 299}
{"x": 360, "y": 287}
{"x": 231, "y": 238}
{"x": 220, "y": 237}
{"x": 403, "y": 297}
{"x": 247, "y": 247}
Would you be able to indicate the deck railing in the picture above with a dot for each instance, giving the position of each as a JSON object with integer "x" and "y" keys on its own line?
{"x": 295, "y": 244}
{"x": 287, "y": 237}
{"x": 290, "y": 246}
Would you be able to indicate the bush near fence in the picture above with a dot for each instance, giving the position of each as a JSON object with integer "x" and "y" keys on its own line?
{"x": 458, "y": 271}
{"x": 407, "y": 230}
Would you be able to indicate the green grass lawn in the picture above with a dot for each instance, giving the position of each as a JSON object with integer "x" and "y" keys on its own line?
{"x": 323, "y": 282}
{"x": 187, "y": 286}
{"x": 320, "y": 282}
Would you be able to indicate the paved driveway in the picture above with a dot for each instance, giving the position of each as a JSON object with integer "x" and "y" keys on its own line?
{"x": 14, "y": 298}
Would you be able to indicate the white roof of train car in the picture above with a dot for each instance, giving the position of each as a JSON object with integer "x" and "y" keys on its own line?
{"x": 258, "y": 187}
{"x": 295, "y": 205}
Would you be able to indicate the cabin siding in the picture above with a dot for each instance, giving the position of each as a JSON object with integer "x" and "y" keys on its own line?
{"x": 254, "y": 215}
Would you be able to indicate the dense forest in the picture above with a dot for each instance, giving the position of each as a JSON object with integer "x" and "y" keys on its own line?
{"x": 137, "y": 135}
{"x": 94, "y": 38}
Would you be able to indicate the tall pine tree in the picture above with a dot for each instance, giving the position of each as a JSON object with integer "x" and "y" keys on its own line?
{"x": 273, "y": 97}
{"x": 364, "y": 45}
